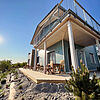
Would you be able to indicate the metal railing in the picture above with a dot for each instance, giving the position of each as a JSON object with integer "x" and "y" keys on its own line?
{"x": 66, "y": 4}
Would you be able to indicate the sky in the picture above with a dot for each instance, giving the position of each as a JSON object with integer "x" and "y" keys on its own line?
{"x": 18, "y": 21}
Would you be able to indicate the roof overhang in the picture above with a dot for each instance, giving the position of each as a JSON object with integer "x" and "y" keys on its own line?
{"x": 40, "y": 25}
{"x": 85, "y": 36}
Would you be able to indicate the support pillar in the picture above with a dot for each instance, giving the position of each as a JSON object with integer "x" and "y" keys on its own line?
{"x": 98, "y": 46}
{"x": 72, "y": 47}
{"x": 35, "y": 58}
{"x": 45, "y": 57}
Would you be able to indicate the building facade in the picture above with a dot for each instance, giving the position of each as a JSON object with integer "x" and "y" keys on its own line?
{"x": 67, "y": 33}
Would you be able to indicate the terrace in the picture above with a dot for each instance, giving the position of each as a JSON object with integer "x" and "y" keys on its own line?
{"x": 56, "y": 16}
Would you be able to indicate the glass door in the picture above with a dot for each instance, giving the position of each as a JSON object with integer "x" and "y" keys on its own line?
{"x": 51, "y": 57}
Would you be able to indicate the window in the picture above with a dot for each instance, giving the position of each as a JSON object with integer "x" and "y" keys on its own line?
{"x": 51, "y": 57}
{"x": 92, "y": 58}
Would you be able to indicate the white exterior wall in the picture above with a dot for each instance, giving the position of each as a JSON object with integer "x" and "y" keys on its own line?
{"x": 30, "y": 57}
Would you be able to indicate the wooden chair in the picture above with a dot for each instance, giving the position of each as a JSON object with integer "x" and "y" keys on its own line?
{"x": 62, "y": 64}
{"x": 49, "y": 68}
{"x": 38, "y": 66}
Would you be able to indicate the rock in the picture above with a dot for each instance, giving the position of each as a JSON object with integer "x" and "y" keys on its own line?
{"x": 54, "y": 88}
{"x": 8, "y": 78}
{"x": 61, "y": 87}
{"x": 42, "y": 91}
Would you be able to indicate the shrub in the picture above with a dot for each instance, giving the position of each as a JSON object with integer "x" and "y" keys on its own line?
{"x": 20, "y": 87}
{"x": 5, "y": 65}
{"x": 1, "y": 90}
{"x": 23, "y": 98}
{"x": 82, "y": 86}
{"x": 0, "y": 87}
{"x": 3, "y": 81}
{"x": 8, "y": 85}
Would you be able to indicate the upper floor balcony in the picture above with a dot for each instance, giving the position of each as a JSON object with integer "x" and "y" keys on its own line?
{"x": 58, "y": 13}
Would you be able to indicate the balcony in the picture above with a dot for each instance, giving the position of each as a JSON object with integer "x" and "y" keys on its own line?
{"x": 59, "y": 13}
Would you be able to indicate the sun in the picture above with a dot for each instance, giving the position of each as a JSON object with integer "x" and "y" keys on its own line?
{"x": 1, "y": 39}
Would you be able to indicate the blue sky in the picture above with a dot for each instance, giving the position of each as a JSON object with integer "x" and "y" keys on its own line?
{"x": 18, "y": 21}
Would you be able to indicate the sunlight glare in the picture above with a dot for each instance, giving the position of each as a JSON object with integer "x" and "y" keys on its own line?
{"x": 1, "y": 39}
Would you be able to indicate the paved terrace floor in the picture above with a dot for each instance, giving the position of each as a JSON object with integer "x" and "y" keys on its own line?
{"x": 39, "y": 77}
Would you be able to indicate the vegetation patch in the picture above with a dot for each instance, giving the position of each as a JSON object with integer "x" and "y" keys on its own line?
{"x": 82, "y": 86}
{"x": 20, "y": 87}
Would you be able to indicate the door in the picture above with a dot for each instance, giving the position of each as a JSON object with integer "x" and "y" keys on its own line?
{"x": 51, "y": 57}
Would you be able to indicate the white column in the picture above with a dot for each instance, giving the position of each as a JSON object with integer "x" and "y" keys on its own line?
{"x": 45, "y": 57}
{"x": 72, "y": 47}
{"x": 35, "y": 58}
{"x": 98, "y": 45}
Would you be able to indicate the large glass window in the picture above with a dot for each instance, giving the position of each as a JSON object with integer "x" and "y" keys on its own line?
{"x": 92, "y": 58}
{"x": 51, "y": 57}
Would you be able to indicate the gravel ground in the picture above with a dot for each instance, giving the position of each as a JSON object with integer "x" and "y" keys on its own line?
{"x": 28, "y": 90}
{"x": 6, "y": 87}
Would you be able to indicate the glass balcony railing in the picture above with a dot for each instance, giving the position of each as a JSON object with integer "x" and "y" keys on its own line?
{"x": 59, "y": 14}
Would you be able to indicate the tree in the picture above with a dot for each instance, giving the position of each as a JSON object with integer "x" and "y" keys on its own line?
{"x": 18, "y": 65}
{"x": 82, "y": 86}
{"x": 5, "y": 65}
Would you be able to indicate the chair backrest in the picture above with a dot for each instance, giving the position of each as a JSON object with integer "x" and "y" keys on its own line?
{"x": 62, "y": 62}
{"x": 51, "y": 63}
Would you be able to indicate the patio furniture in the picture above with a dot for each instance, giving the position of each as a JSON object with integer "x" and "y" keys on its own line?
{"x": 38, "y": 66}
{"x": 61, "y": 66}
{"x": 52, "y": 68}
{"x": 49, "y": 68}
{"x": 56, "y": 67}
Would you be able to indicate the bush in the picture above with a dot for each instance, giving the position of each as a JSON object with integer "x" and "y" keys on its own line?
{"x": 3, "y": 81}
{"x": 82, "y": 86}
{"x": 8, "y": 85}
{"x": 20, "y": 87}
{"x": 5, "y": 65}
{"x": 18, "y": 65}
{"x": 0, "y": 87}
{"x": 1, "y": 90}
{"x": 23, "y": 98}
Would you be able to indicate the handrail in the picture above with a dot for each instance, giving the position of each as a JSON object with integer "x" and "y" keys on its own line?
{"x": 87, "y": 12}
{"x": 92, "y": 21}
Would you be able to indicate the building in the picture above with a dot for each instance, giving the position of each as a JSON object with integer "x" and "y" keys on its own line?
{"x": 67, "y": 33}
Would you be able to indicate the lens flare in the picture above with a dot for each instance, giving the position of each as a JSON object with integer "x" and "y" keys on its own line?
{"x": 1, "y": 39}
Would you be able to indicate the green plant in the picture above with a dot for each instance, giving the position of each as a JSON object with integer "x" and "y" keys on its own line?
{"x": 1, "y": 90}
{"x": 5, "y": 65}
{"x": 20, "y": 87}
{"x": 3, "y": 81}
{"x": 23, "y": 98}
{"x": 82, "y": 86}
{"x": 8, "y": 85}
{"x": 0, "y": 86}
{"x": 2, "y": 94}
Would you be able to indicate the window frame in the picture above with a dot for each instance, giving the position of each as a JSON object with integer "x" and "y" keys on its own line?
{"x": 92, "y": 58}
